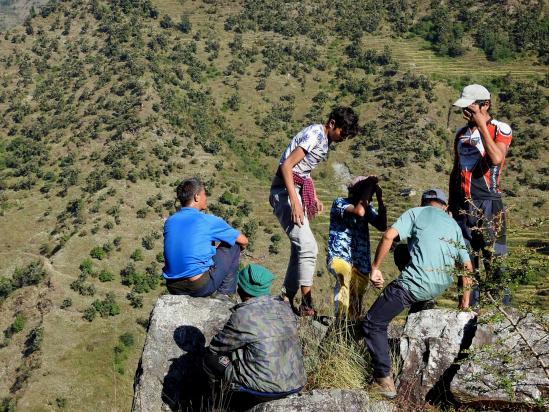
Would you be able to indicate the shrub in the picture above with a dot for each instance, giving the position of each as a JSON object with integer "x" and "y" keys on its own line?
{"x": 105, "y": 276}
{"x": 228, "y": 198}
{"x": 184, "y": 24}
{"x": 16, "y": 327}
{"x": 90, "y": 314}
{"x": 136, "y": 300}
{"x": 127, "y": 339}
{"x": 142, "y": 213}
{"x": 148, "y": 242}
{"x": 106, "y": 307}
{"x": 6, "y": 287}
{"x": 137, "y": 255}
{"x": 30, "y": 275}
{"x": 98, "y": 253}
{"x": 159, "y": 258}
{"x": 86, "y": 266}
{"x": 67, "y": 302}
{"x": 34, "y": 341}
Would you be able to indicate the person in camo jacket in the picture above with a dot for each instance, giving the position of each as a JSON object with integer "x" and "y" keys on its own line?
{"x": 258, "y": 351}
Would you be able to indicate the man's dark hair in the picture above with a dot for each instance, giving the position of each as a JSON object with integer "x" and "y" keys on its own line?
{"x": 482, "y": 103}
{"x": 187, "y": 189}
{"x": 346, "y": 119}
{"x": 357, "y": 191}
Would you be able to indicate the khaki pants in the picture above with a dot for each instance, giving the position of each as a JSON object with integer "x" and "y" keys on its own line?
{"x": 304, "y": 249}
{"x": 349, "y": 289}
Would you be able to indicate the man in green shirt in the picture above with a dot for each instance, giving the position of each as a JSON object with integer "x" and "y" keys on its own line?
{"x": 436, "y": 248}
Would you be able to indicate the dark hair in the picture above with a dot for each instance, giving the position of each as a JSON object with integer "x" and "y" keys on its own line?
{"x": 482, "y": 102}
{"x": 357, "y": 191}
{"x": 187, "y": 189}
{"x": 346, "y": 119}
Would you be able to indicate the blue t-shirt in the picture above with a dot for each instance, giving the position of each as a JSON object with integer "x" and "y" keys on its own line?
{"x": 435, "y": 244}
{"x": 188, "y": 242}
{"x": 349, "y": 238}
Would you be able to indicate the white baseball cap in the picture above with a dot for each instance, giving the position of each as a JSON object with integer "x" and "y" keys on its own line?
{"x": 472, "y": 93}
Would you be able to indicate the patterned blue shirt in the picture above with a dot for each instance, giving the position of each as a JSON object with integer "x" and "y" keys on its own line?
{"x": 349, "y": 238}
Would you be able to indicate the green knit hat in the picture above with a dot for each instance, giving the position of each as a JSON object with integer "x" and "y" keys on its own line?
{"x": 255, "y": 280}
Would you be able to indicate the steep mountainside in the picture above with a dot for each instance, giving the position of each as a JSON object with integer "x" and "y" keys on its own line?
{"x": 106, "y": 105}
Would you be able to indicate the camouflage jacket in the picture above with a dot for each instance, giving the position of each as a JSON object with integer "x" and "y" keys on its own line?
{"x": 262, "y": 342}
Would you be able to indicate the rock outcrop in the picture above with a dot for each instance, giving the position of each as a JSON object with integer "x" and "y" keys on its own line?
{"x": 170, "y": 375}
{"x": 327, "y": 400}
{"x": 501, "y": 369}
{"x": 430, "y": 344}
{"x": 445, "y": 355}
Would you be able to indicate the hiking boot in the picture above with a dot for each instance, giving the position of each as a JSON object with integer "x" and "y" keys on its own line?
{"x": 385, "y": 387}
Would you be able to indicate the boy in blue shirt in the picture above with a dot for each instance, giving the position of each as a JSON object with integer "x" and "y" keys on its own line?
{"x": 348, "y": 257}
{"x": 193, "y": 264}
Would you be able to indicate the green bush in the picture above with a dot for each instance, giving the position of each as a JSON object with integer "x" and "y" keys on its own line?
{"x": 67, "y": 302}
{"x": 136, "y": 300}
{"x": 105, "y": 276}
{"x": 106, "y": 307}
{"x": 137, "y": 255}
{"x": 90, "y": 314}
{"x": 34, "y": 341}
{"x": 148, "y": 242}
{"x": 98, "y": 253}
{"x": 29, "y": 275}
{"x": 17, "y": 326}
{"x": 6, "y": 287}
{"x": 228, "y": 198}
{"x": 86, "y": 266}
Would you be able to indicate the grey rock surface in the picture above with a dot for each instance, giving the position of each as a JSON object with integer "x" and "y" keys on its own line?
{"x": 501, "y": 369}
{"x": 429, "y": 345}
{"x": 327, "y": 400}
{"x": 170, "y": 374}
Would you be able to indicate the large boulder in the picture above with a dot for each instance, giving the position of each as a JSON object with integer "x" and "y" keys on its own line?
{"x": 170, "y": 374}
{"x": 327, "y": 400}
{"x": 501, "y": 369}
{"x": 430, "y": 344}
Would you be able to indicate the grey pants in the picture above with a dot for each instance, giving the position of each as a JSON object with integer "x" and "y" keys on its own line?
{"x": 304, "y": 249}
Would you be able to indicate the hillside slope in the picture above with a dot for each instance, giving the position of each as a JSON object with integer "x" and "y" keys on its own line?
{"x": 105, "y": 106}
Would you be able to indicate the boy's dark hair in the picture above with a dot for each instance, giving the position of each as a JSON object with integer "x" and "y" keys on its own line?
{"x": 357, "y": 191}
{"x": 346, "y": 119}
{"x": 187, "y": 189}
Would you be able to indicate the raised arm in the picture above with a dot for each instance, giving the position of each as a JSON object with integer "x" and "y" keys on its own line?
{"x": 286, "y": 168}
{"x": 496, "y": 151}
{"x": 381, "y": 222}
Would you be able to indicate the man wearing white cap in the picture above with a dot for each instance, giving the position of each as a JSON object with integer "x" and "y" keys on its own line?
{"x": 475, "y": 195}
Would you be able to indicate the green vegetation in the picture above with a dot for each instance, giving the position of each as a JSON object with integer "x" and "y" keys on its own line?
{"x": 126, "y": 342}
{"x": 105, "y": 308}
{"x": 107, "y": 105}
{"x": 32, "y": 274}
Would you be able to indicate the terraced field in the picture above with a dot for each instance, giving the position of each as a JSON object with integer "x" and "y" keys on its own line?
{"x": 416, "y": 55}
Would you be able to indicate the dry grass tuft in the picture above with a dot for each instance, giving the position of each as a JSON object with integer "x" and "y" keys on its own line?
{"x": 334, "y": 361}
